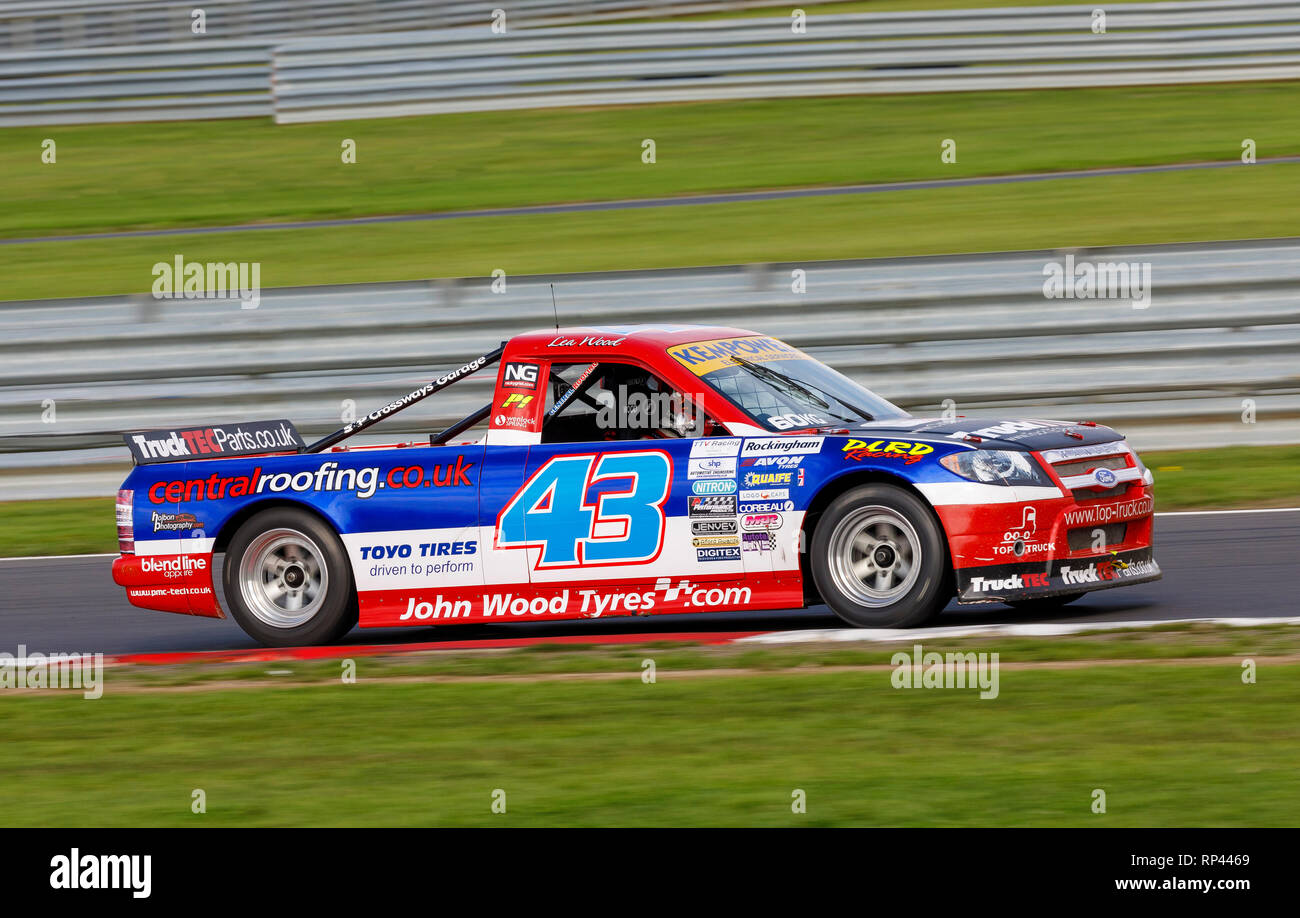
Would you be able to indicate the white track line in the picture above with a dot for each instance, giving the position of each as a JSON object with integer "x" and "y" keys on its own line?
{"x": 1011, "y": 629}
{"x": 58, "y": 557}
{"x": 1161, "y": 513}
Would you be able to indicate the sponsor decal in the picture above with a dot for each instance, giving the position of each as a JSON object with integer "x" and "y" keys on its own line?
{"x": 782, "y": 446}
{"x": 1109, "y": 513}
{"x": 1009, "y": 583}
{"x": 715, "y": 446}
{"x": 1019, "y": 541}
{"x": 422, "y": 550}
{"x": 216, "y": 441}
{"x": 911, "y": 453}
{"x": 704, "y": 357}
{"x": 1106, "y": 571}
{"x": 173, "y": 565}
{"x": 717, "y": 554}
{"x": 713, "y": 527}
{"x": 761, "y": 522}
{"x": 588, "y": 602}
{"x": 781, "y": 462}
{"x": 767, "y": 494}
{"x": 517, "y": 401}
{"x": 711, "y": 507}
{"x": 713, "y": 486}
{"x": 409, "y": 398}
{"x": 1073, "y": 453}
{"x": 1008, "y": 429}
{"x": 327, "y": 477}
{"x": 757, "y": 479}
{"x": 795, "y": 421}
{"x": 711, "y": 467}
{"x": 173, "y": 522}
{"x": 715, "y": 542}
{"x": 520, "y": 376}
{"x": 514, "y": 421}
{"x": 758, "y": 541}
{"x": 774, "y": 506}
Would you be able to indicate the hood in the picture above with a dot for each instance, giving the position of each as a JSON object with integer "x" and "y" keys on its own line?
{"x": 1028, "y": 435}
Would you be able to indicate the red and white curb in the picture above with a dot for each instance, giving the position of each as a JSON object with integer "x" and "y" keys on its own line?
{"x": 1010, "y": 629}
{"x": 283, "y": 654}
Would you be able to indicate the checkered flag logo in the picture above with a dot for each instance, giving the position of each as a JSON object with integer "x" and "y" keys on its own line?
{"x": 714, "y": 503}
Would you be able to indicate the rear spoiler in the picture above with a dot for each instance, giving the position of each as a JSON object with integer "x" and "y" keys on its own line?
{"x": 214, "y": 441}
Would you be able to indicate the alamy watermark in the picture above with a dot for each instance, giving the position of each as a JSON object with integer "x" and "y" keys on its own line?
{"x": 179, "y": 279}
{"x": 921, "y": 669}
{"x": 1102, "y": 280}
{"x": 82, "y": 671}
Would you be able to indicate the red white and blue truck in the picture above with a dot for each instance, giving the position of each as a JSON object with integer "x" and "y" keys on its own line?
{"x": 631, "y": 471}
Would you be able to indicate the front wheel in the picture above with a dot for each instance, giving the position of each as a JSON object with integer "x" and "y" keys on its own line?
{"x": 880, "y": 560}
{"x": 288, "y": 580}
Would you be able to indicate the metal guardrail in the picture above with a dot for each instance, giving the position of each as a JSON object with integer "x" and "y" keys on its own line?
{"x": 213, "y": 79}
{"x": 47, "y": 24}
{"x": 1223, "y": 325}
{"x": 468, "y": 70}
{"x": 472, "y": 69}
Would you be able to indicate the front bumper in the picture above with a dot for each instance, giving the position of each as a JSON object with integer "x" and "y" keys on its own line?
{"x": 1033, "y": 579}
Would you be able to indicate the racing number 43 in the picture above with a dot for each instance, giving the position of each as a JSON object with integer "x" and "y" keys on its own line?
{"x": 591, "y": 510}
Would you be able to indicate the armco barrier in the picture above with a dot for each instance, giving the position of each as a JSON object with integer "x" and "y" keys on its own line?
{"x": 1218, "y": 342}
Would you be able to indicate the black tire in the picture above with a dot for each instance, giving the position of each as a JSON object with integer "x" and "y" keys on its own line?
{"x": 1043, "y": 605}
{"x": 284, "y": 538}
{"x": 916, "y": 576}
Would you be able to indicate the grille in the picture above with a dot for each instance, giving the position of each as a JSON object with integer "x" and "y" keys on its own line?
{"x": 1084, "y": 465}
{"x": 1081, "y": 539}
{"x": 1083, "y": 495}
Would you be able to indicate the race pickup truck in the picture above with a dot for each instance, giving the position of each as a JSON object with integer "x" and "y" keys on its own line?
{"x": 632, "y": 471}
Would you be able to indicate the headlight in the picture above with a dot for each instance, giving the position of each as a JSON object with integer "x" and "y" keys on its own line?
{"x": 996, "y": 466}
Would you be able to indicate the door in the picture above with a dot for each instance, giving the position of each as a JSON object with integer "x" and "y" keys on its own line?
{"x": 621, "y": 496}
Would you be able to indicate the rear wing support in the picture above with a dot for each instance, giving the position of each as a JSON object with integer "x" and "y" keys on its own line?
{"x": 407, "y": 400}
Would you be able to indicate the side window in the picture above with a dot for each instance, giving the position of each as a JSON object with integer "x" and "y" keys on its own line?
{"x": 614, "y": 401}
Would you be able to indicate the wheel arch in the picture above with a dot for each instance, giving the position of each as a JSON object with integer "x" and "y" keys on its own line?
{"x": 833, "y": 489}
{"x": 232, "y": 523}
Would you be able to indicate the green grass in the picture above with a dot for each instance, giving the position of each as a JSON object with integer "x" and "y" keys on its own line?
{"x": 68, "y": 526}
{"x": 1243, "y": 202}
{"x": 215, "y": 173}
{"x": 1177, "y": 641}
{"x": 706, "y": 751}
{"x": 1256, "y": 476}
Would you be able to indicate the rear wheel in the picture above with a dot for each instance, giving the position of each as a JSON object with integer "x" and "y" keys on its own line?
{"x": 880, "y": 560}
{"x": 288, "y": 580}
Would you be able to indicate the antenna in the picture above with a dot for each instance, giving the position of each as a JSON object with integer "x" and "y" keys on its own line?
{"x": 555, "y": 311}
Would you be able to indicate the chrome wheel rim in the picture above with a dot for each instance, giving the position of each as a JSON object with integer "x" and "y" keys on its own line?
{"x": 875, "y": 556}
{"x": 283, "y": 578}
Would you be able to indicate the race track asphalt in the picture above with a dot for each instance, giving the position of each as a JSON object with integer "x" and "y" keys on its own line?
{"x": 1237, "y": 564}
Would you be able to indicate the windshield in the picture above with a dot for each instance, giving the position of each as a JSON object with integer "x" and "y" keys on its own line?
{"x": 781, "y": 387}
